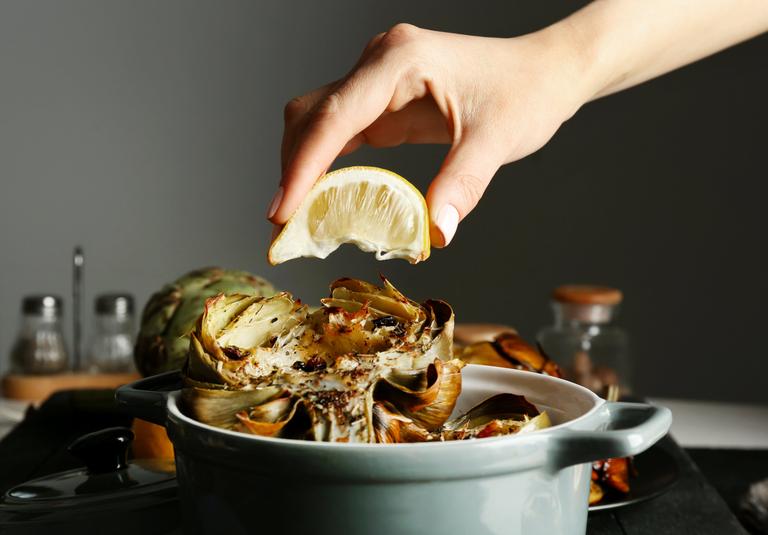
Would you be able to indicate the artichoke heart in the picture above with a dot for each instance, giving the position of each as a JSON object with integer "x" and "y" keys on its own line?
{"x": 370, "y": 365}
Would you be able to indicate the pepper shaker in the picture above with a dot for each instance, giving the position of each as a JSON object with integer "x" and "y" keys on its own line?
{"x": 111, "y": 347}
{"x": 40, "y": 347}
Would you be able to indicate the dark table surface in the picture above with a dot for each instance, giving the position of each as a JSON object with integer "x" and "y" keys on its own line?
{"x": 702, "y": 502}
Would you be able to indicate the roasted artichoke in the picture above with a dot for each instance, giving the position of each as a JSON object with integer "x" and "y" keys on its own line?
{"x": 509, "y": 350}
{"x": 369, "y": 366}
{"x": 170, "y": 314}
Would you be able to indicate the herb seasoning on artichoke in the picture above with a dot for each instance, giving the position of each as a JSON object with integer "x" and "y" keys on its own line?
{"x": 369, "y": 366}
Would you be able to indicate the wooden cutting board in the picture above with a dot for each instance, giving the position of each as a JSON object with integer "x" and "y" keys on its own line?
{"x": 38, "y": 388}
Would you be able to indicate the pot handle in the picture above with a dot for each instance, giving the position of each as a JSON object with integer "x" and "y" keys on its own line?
{"x": 631, "y": 429}
{"x": 146, "y": 398}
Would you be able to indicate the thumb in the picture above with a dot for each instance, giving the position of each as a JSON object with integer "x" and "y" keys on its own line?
{"x": 465, "y": 174}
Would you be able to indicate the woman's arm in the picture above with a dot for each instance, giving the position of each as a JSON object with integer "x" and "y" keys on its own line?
{"x": 494, "y": 100}
{"x": 627, "y": 42}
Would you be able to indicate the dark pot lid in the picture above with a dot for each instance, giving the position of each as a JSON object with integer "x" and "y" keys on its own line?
{"x": 108, "y": 481}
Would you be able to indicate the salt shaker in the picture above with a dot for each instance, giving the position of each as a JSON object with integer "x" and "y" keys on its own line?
{"x": 40, "y": 346}
{"x": 584, "y": 340}
{"x": 111, "y": 346}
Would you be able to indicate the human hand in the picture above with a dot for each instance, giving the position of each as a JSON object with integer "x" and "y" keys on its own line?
{"x": 494, "y": 100}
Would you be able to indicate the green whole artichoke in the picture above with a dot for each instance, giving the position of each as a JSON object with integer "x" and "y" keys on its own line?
{"x": 170, "y": 314}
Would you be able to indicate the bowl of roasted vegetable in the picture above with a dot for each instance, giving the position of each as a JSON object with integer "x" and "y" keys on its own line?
{"x": 361, "y": 417}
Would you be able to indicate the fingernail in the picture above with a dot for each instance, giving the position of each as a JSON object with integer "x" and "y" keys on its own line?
{"x": 447, "y": 222}
{"x": 275, "y": 203}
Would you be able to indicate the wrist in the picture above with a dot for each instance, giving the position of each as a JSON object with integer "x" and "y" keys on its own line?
{"x": 582, "y": 53}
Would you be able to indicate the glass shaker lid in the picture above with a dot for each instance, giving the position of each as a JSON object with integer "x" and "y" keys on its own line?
{"x": 49, "y": 306}
{"x": 114, "y": 304}
{"x": 106, "y": 478}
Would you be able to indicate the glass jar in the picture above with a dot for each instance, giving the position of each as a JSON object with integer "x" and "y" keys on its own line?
{"x": 111, "y": 346}
{"x": 40, "y": 348}
{"x": 590, "y": 349}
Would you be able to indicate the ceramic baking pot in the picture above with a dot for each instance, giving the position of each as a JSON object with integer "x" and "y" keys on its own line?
{"x": 534, "y": 483}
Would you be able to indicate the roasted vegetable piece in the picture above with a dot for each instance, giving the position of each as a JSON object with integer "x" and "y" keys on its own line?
{"x": 369, "y": 366}
{"x": 613, "y": 473}
{"x": 170, "y": 314}
{"x": 484, "y": 353}
{"x": 465, "y": 334}
{"x": 502, "y": 414}
{"x": 509, "y": 350}
{"x": 596, "y": 493}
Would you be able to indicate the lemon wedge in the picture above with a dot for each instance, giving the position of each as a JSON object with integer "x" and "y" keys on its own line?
{"x": 375, "y": 209}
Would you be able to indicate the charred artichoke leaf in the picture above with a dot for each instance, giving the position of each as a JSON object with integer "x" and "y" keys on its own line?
{"x": 441, "y": 314}
{"x": 363, "y": 287}
{"x": 386, "y": 306}
{"x": 394, "y": 293}
{"x": 513, "y": 347}
{"x": 218, "y": 406}
{"x": 218, "y": 313}
{"x": 344, "y": 304}
{"x": 392, "y": 427}
{"x": 613, "y": 472}
{"x": 502, "y": 414}
{"x": 238, "y": 338}
{"x": 483, "y": 353}
{"x": 434, "y": 414}
{"x": 339, "y": 415}
{"x": 500, "y": 406}
{"x": 410, "y": 389}
{"x": 386, "y": 300}
{"x": 202, "y": 367}
{"x": 596, "y": 493}
{"x": 541, "y": 421}
{"x": 509, "y": 350}
{"x": 270, "y": 418}
{"x": 354, "y": 285}
{"x": 430, "y": 406}
{"x": 202, "y": 289}
{"x": 357, "y": 309}
{"x": 440, "y": 330}
{"x": 233, "y": 326}
{"x": 260, "y": 322}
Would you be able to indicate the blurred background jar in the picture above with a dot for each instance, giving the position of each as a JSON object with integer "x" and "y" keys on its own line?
{"x": 111, "y": 346}
{"x": 584, "y": 341}
{"x": 40, "y": 347}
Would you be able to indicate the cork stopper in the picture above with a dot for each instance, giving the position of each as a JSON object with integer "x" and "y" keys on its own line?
{"x": 579, "y": 294}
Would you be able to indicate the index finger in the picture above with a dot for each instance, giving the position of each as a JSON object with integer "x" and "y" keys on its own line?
{"x": 339, "y": 117}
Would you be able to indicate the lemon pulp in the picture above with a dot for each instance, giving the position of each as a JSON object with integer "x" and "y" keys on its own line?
{"x": 375, "y": 209}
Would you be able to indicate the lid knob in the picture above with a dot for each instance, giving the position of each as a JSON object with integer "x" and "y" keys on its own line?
{"x": 103, "y": 451}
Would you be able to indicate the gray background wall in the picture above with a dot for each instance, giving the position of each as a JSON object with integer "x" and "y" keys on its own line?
{"x": 149, "y": 132}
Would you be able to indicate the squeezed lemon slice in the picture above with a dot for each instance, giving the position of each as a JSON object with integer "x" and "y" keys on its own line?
{"x": 375, "y": 209}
